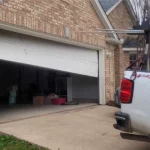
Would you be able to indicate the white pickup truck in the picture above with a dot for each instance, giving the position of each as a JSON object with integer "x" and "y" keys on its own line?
{"x": 135, "y": 104}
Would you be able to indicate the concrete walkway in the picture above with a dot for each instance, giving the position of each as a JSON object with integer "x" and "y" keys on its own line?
{"x": 88, "y": 129}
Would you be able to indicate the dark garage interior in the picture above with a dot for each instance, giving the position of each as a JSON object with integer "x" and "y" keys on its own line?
{"x": 29, "y": 82}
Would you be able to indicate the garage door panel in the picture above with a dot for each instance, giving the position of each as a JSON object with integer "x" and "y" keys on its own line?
{"x": 49, "y": 54}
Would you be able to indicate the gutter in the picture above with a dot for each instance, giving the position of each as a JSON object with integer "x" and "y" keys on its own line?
{"x": 46, "y": 36}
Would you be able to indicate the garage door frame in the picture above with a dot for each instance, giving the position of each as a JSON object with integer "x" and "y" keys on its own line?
{"x": 101, "y": 77}
{"x": 101, "y": 54}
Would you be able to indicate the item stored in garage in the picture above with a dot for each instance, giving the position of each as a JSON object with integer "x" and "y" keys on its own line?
{"x": 38, "y": 100}
{"x": 13, "y": 95}
{"x": 58, "y": 101}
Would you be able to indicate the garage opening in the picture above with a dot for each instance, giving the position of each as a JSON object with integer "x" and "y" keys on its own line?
{"x": 30, "y": 81}
{"x": 35, "y": 87}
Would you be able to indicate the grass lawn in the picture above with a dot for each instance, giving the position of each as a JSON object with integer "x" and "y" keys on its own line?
{"x": 11, "y": 143}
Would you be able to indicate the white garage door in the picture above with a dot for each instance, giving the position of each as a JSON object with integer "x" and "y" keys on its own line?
{"x": 28, "y": 50}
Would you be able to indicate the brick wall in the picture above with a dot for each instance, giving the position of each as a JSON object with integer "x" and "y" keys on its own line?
{"x": 121, "y": 19}
{"x": 110, "y": 74}
{"x": 126, "y": 59}
{"x": 123, "y": 57}
{"x": 50, "y": 16}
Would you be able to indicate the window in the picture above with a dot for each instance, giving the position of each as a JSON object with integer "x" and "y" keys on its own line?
{"x": 133, "y": 57}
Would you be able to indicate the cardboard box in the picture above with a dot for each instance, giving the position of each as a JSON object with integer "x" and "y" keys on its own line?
{"x": 38, "y": 100}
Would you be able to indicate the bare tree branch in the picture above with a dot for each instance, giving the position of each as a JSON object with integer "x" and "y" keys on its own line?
{"x": 141, "y": 8}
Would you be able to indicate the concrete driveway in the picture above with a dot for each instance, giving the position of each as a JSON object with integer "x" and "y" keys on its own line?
{"x": 88, "y": 129}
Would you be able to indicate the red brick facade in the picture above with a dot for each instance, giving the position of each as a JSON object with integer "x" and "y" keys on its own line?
{"x": 121, "y": 60}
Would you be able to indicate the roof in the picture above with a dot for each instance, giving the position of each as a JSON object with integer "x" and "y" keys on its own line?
{"x": 111, "y": 4}
{"x": 132, "y": 43}
{"x": 107, "y": 4}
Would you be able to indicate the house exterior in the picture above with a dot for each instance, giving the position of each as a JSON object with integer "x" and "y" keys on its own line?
{"x": 56, "y": 35}
{"x": 122, "y": 16}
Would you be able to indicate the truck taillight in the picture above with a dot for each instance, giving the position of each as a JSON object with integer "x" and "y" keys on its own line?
{"x": 126, "y": 91}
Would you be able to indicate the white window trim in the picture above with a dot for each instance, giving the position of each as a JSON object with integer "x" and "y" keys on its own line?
{"x": 131, "y": 49}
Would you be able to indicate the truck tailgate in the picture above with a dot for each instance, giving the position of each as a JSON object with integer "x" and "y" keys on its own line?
{"x": 139, "y": 109}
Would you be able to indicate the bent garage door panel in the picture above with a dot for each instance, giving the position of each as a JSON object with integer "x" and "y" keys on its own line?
{"x": 48, "y": 54}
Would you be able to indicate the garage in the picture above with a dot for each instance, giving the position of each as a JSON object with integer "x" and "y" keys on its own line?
{"x": 68, "y": 71}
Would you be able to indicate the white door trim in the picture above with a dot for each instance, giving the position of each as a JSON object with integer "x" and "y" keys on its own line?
{"x": 101, "y": 78}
